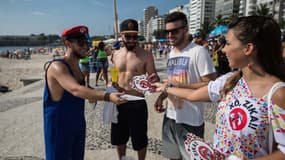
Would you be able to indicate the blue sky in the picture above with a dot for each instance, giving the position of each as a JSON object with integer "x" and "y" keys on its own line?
{"x": 24, "y": 17}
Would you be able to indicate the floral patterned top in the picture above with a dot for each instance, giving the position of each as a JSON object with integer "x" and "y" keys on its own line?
{"x": 242, "y": 123}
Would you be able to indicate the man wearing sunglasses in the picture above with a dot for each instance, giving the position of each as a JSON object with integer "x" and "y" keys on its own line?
{"x": 132, "y": 60}
{"x": 63, "y": 100}
{"x": 189, "y": 65}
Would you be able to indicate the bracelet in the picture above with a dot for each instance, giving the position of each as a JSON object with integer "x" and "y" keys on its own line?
{"x": 166, "y": 88}
{"x": 107, "y": 96}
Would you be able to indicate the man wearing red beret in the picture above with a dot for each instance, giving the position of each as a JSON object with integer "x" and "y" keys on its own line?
{"x": 63, "y": 101}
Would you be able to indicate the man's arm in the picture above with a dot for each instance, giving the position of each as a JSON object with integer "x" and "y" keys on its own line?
{"x": 150, "y": 68}
{"x": 60, "y": 73}
{"x": 205, "y": 80}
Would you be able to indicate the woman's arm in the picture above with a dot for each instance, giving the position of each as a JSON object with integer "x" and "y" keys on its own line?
{"x": 200, "y": 94}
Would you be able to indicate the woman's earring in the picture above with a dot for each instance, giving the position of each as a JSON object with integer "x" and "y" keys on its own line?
{"x": 249, "y": 66}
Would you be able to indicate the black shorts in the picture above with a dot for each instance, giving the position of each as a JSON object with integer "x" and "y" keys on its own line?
{"x": 132, "y": 122}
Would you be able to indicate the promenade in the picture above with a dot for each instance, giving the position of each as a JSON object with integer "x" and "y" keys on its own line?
{"x": 21, "y": 125}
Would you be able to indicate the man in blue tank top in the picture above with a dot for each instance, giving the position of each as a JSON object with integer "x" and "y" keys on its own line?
{"x": 63, "y": 101}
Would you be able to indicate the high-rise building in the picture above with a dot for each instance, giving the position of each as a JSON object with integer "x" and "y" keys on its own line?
{"x": 140, "y": 25}
{"x": 227, "y": 8}
{"x": 276, "y": 8}
{"x": 155, "y": 23}
{"x": 201, "y": 11}
{"x": 149, "y": 12}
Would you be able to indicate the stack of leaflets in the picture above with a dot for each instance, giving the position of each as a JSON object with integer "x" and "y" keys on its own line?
{"x": 198, "y": 149}
{"x": 141, "y": 84}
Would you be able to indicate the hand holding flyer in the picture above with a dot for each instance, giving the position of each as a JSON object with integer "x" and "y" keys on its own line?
{"x": 197, "y": 148}
{"x": 141, "y": 84}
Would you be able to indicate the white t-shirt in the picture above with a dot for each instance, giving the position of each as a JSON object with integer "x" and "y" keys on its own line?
{"x": 189, "y": 66}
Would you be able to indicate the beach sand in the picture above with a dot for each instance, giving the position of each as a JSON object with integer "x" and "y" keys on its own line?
{"x": 13, "y": 70}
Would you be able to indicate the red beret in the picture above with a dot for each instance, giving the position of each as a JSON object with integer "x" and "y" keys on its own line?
{"x": 75, "y": 32}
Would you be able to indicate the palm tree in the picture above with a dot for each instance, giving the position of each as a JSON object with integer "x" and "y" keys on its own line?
{"x": 219, "y": 20}
{"x": 282, "y": 24}
{"x": 262, "y": 10}
{"x": 230, "y": 18}
{"x": 205, "y": 29}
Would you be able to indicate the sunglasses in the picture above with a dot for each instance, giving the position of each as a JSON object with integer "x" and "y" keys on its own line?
{"x": 81, "y": 41}
{"x": 173, "y": 31}
{"x": 129, "y": 37}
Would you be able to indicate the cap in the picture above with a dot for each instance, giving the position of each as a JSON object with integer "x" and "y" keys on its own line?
{"x": 129, "y": 26}
{"x": 75, "y": 32}
{"x": 116, "y": 45}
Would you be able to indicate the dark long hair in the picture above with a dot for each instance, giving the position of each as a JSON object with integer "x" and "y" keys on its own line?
{"x": 265, "y": 35}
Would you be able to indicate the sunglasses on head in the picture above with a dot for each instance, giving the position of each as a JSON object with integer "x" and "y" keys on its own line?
{"x": 134, "y": 37}
{"x": 173, "y": 31}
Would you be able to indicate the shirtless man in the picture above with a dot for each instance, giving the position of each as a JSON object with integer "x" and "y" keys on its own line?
{"x": 132, "y": 60}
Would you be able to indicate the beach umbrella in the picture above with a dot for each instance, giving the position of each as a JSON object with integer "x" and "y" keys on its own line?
{"x": 219, "y": 30}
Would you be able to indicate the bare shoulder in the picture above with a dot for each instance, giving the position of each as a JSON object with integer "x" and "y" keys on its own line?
{"x": 146, "y": 54}
{"x": 57, "y": 68}
{"x": 279, "y": 97}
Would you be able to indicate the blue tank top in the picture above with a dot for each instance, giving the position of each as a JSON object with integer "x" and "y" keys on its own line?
{"x": 65, "y": 114}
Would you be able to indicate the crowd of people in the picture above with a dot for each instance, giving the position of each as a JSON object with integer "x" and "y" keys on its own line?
{"x": 250, "y": 118}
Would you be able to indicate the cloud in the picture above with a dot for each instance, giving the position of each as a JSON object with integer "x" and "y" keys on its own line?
{"x": 39, "y": 13}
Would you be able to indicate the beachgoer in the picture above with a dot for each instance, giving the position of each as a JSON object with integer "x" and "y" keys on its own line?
{"x": 102, "y": 63}
{"x": 64, "y": 94}
{"x": 84, "y": 67}
{"x": 187, "y": 63}
{"x": 250, "y": 116}
{"x": 132, "y": 60}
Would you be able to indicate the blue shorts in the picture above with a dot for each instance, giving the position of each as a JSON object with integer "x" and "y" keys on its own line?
{"x": 173, "y": 137}
{"x": 102, "y": 63}
{"x": 132, "y": 122}
{"x": 84, "y": 66}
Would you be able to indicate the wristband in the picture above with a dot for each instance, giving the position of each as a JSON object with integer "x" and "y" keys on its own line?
{"x": 166, "y": 88}
{"x": 107, "y": 96}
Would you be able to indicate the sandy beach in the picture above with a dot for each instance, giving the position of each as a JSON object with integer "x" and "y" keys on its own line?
{"x": 21, "y": 132}
{"x": 13, "y": 70}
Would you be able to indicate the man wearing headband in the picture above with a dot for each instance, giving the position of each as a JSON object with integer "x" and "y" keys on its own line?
{"x": 132, "y": 60}
{"x": 63, "y": 100}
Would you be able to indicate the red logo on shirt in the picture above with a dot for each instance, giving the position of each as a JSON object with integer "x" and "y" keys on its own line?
{"x": 282, "y": 116}
{"x": 238, "y": 119}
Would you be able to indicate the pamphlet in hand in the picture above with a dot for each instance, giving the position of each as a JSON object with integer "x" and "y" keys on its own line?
{"x": 141, "y": 84}
{"x": 198, "y": 149}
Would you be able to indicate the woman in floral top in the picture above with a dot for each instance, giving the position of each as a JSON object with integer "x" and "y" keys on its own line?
{"x": 250, "y": 122}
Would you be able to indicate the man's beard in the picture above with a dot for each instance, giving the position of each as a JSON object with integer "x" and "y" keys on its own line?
{"x": 130, "y": 47}
{"x": 77, "y": 53}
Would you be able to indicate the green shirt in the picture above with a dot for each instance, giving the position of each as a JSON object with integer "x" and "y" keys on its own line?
{"x": 84, "y": 60}
{"x": 101, "y": 54}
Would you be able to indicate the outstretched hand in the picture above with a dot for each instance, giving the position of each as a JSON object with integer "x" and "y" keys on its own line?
{"x": 153, "y": 78}
{"x": 115, "y": 97}
{"x": 158, "y": 86}
{"x": 116, "y": 85}
{"x": 158, "y": 105}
